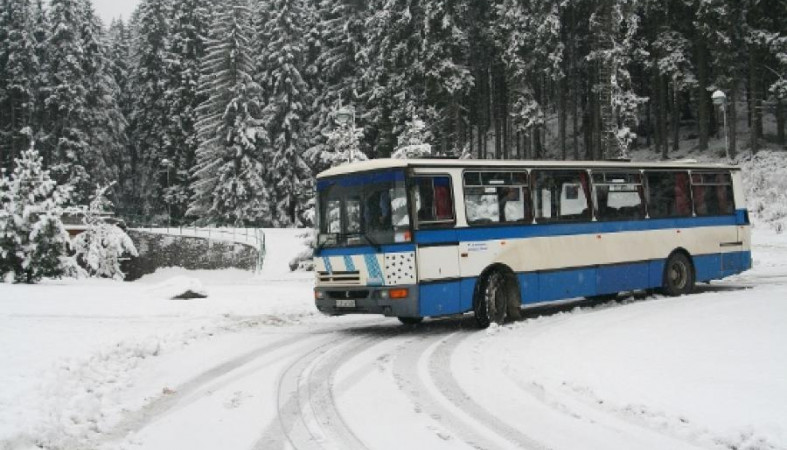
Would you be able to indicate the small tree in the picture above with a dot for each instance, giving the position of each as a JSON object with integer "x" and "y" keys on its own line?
{"x": 33, "y": 241}
{"x": 100, "y": 247}
{"x": 412, "y": 143}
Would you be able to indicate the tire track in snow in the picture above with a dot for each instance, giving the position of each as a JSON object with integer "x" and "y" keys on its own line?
{"x": 308, "y": 417}
{"x": 440, "y": 370}
{"x": 423, "y": 373}
{"x": 190, "y": 391}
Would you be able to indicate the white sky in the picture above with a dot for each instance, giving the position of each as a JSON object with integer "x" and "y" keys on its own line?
{"x": 110, "y": 9}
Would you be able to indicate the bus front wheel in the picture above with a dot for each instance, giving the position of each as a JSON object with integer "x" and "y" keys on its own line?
{"x": 496, "y": 299}
{"x": 678, "y": 275}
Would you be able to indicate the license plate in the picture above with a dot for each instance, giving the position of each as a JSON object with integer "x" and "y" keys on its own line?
{"x": 345, "y": 303}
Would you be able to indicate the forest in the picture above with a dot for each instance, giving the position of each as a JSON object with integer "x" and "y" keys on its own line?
{"x": 223, "y": 112}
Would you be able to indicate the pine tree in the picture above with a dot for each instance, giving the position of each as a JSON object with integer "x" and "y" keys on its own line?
{"x": 34, "y": 242}
{"x": 286, "y": 108}
{"x": 20, "y": 66}
{"x": 189, "y": 29}
{"x": 100, "y": 247}
{"x": 394, "y": 76}
{"x": 119, "y": 54}
{"x": 71, "y": 100}
{"x": 230, "y": 170}
{"x": 414, "y": 141}
{"x": 150, "y": 117}
{"x": 107, "y": 123}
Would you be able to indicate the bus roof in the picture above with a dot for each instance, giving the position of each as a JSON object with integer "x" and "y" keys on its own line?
{"x": 381, "y": 164}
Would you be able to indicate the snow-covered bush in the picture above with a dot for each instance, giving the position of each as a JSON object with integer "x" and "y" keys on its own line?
{"x": 766, "y": 188}
{"x": 100, "y": 247}
{"x": 304, "y": 259}
{"x": 33, "y": 241}
{"x": 412, "y": 143}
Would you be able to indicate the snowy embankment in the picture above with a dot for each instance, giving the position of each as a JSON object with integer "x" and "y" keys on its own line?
{"x": 104, "y": 364}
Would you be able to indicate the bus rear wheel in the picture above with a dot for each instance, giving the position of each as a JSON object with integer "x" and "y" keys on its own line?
{"x": 678, "y": 275}
{"x": 496, "y": 300}
{"x": 411, "y": 320}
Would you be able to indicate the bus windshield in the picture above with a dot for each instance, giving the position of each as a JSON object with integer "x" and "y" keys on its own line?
{"x": 363, "y": 209}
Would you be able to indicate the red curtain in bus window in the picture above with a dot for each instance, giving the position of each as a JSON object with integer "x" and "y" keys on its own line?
{"x": 682, "y": 196}
{"x": 585, "y": 182}
{"x": 442, "y": 199}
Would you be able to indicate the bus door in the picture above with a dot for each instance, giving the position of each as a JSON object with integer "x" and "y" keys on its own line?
{"x": 437, "y": 256}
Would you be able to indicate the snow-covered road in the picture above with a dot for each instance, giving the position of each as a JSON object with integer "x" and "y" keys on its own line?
{"x": 116, "y": 366}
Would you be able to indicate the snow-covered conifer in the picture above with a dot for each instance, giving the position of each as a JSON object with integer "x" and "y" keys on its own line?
{"x": 34, "y": 242}
{"x": 230, "y": 169}
{"x": 100, "y": 247}
{"x": 414, "y": 141}
{"x": 189, "y": 30}
{"x": 286, "y": 108}
{"x": 19, "y": 67}
{"x": 150, "y": 117}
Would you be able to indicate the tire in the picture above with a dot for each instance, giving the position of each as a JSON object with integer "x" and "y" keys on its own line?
{"x": 410, "y": 320}
{"x": 496, "y": 300}
{"x": 679, "y": 275}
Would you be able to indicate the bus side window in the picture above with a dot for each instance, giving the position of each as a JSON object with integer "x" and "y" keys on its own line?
{"x": 712, "y": 194}
{"x": 668, "y": 194}
{"x": 561, "y": 195}
{"x": 433, "y": 200}
{"x": 493, "y": 197}
{"x": 619, "y": 196}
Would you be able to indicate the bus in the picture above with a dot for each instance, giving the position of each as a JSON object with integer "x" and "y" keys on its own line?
{"x": 426, "y": 238}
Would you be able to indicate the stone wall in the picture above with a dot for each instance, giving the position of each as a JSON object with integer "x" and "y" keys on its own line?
{"x": 159, "y": 250}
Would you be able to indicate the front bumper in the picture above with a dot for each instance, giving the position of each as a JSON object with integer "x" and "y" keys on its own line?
{"x": 367, "y": 300}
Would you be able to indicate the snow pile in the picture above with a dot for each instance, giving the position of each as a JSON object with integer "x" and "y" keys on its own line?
{"x": 179, "y": 288}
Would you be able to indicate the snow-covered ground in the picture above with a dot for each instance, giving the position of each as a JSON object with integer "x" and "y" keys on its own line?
{"x": 111, "y": 365}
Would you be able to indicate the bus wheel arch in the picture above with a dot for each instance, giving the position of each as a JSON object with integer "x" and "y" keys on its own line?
{"x": 679, "y": 273}
{"x": 496, "y": 296}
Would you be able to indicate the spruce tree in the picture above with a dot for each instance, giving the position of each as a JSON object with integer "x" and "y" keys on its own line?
{"x": 150, "y": 117}
{"x": 230, "y": 170}
{"x": 189, "y": 29}
{"x": 34, "y": 242}
{"x": 286, "y": 109}
{"x": 20, "y": 67}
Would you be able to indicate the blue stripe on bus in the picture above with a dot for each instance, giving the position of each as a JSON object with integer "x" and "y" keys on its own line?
{"x": 565, "y": 229}
{"x": 539, "y": 230}
{"x": 362, "y": 179}
{"x": 348, "y": 263}
{"x": 456, "y": 296}
{"x": 365, "y": 250}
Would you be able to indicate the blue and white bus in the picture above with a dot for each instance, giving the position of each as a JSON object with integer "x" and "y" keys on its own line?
{"x": 425, "y": 238}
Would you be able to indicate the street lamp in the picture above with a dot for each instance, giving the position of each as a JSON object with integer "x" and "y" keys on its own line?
{"x": 166, "y": 164}
{"x": 719, "y": 99}
{"x": 345, "y": 117}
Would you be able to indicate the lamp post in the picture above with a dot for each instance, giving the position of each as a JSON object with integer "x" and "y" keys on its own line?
{"x": 720, "y": 99}
{"x": 166, "y": 164}
{"x": 345, "y": 117}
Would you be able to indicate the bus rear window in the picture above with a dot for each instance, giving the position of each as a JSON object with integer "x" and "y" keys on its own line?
{"x": 712, "y": 194}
